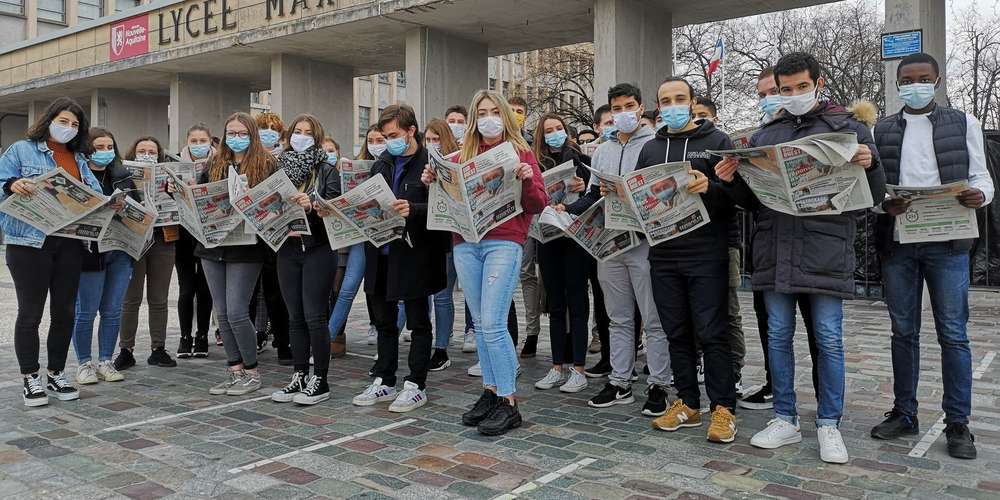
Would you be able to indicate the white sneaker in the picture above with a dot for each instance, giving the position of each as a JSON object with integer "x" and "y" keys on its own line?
{"x": 231, "y": 379}
{"x": 407, "y": 336}
{"x": 372, "y": 335}
{"x": 831, "y": 445}
{"x": 409, "y": 399}
{"x": 701, "y": 373}
{"x": 778, "y": 433}
{"x": 106, "y": 371}
{"x": 476, "y": 370}
{"x": 469, "y": 342}
{"x": 739, "y": 389}
{"x": 551, "y": 379}
{"x": 375, "y": 393}
{"x": 85, "y": 374}
{"x": 575, "y": 383}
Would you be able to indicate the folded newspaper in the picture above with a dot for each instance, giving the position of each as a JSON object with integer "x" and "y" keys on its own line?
{"x": 58, "y": 201}
{"x": 934, "y": 214}
{"x": 362, "y": 214}
{"x": 353, "y": 173}
{"x": 557, "y": 183}
{"x": 588, "y": 231}
{"x": 130, "y": 229}
{"x": 206, "y": 212}
{"x": 474, "y": 197}
{"x": 808, "y": 176}
{"x": 153, "y": 180}
{"x": 267, "y": 208}
{"x": 93, "y": 226}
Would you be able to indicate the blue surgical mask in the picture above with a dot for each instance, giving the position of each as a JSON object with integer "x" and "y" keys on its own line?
{"x": 269, "y": 138}
{"x": 397, "y": 146}
{"x": 626, "y": 121}
{"x": 770, "y": 105}
{"x": 917, "y": 95}
{"x": 238, "y": 144}
{"x": 199, "y": 150}
{"x": 608, "y": 132}
{"x": 675, "y": 117}
{"x": 102, "y": 158}
{"x": 331, "y": 158}
{"x": 556, "y": 139}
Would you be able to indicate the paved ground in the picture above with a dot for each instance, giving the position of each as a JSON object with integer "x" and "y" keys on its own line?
{"x": 159, "y": 434}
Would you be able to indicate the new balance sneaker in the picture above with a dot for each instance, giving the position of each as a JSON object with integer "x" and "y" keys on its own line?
{"x": 106, "y": 372}
{"x": 185, "y": 348}
{"x": 778, "y": 433}
{"x": 287, "y": 394}
{"x": 372, "y": 335}
{"x": 34, "y": 393}
{"x": 600, "y": 370}
{"x": 409, "y": 399}
{"x": 159, "y": 357}
{"x": 439, "y": 360}
{"x": 60, "y": 387}
{"x": 832, "y": 449}
{"x": 475, "y": 370}
{"x": 248, "y": 382}
{"x": 612, "y": 395}
{"x": 679, "y": 415}
{"x": 375, "y": 393}
{"x": 85, "y": 374}
{"x": 487, "y": 401}
{"x": 722, "y": 428}
{"x": 551, "y": 379}
{"x": 530, "y": 346}
{"x": 316, "y": 391}
{"x": 504, "y": 417}
{"x": 576, "y": 382}
{"x": 201, "y": 345}
{"x": 758, "y": 397}
{"x": 125, "y": 359}
{"x": 469, "y": 341}
{"x": 656, "y": 401}
{"x": 219, "y": 389}
{"x": 961, "y": 443}
{"x": 896, "y": 425}
{"x": 595, "y": 344}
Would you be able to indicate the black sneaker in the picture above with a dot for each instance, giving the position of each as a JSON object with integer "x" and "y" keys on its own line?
{"x": 503, "y": 418}
{"x": 316, "y": 391}
{"x": 371, "y": 371}
{"x": 218, "y": 337}
{"x": 125, "y": 360}
{"x": 600, "y": 370}
{"x": 961, "y": 443}
{"x": 200, "y": 345}
{"x": 185, "y": 349}
{"x": 287, "y": 394}
{"x": 439, "y": 360}
{"x": 757, "y": 398}
{"x": 656, "y": 401}
{"x": 612, "y": 395}
{"x": 34, "y": 393}
{"x": 285, "y": 356}
{"x": 895, "y": 425}
{"x": 159, "y": 357}
{"x": 485, "y": 405}
{"x": 261, "y": 341}
{"x": 60, "y": 387}
{"x": 530, "y": 346}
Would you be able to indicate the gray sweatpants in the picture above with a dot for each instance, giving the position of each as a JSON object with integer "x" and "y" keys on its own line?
{"x": 531, "y": 287}
{"x": 625, "y": 279}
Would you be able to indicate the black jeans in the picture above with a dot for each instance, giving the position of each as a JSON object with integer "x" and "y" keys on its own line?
{"x": 601, "y": 319}
{"x": 306, "y": 278}
{"x": 805, "y": 308}
{"x": 692, "y": 300}
{"x": 277, "y": 313}
{"x": 565, "y": 269}
{"x": 52, "y": 271}
{"x": 418, "y": 319}
{"x": 194, "y": 295}
{"x": 511, "y": 321}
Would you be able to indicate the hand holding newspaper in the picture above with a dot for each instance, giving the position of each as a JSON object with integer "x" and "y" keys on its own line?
{"x": 364, "y": 213}
{"x": 206, "y": 212}
{"x": 267, "y": 209}
{"x": 557, "y": 184}
{"x": 934, "y": 214}
{"x": 618, "y": 211}
{"x": 57, "y": 201}
{"x": 588, "y": 231}
{"x": 130, "y": 229}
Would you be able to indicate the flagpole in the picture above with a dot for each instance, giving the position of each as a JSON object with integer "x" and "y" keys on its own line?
{"x": 722, "y": 67}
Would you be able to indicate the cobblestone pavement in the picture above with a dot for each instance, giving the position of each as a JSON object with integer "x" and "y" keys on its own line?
{"x": 159, "y": 434}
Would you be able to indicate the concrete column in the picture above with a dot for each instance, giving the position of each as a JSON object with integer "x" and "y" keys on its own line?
{"x": 632, "y": 43}
{"x": 197, "y": 99}
{"x": 130, "y": 115}
{"x": 31, "y": 21}
{"x": 442, "y": 70}
{"x": 109, "y": 7}
{"x": 928, "y": 15}
{"x": 72, "y": 12}
{"x": 300, "y": 85}
{"x": 35, "y": 109}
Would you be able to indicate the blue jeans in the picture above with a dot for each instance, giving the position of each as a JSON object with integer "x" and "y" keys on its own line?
{"x": 101, "y": 291}
{"x": 489, "y": 272}
{"x": 444, "y": 308}
{"x": 828, "y": 316}
{"x": 947, "y": 276}
{"x": 353, "y": 274}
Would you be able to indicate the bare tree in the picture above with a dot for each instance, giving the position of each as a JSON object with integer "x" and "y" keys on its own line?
{"x": 974, "y": 66}
{"x": 561, "y": 80}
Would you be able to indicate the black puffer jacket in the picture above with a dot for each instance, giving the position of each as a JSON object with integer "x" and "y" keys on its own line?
{"x": 114, "y": 176}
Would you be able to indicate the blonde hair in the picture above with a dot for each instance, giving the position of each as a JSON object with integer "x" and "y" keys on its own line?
{"x": 511, "y": 131}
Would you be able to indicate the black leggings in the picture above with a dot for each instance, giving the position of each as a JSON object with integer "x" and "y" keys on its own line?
{"x": 51, "y": 271}
{"x": 277, "y": 313}
{"x": 306, "y": 278}
{"x": 193, "y": 289}
{"x": 565, "y": 268}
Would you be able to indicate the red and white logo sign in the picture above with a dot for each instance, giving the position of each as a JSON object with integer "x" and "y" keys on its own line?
{"x": 129, "y": 38}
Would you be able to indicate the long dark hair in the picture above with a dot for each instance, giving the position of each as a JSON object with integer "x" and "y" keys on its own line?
{"x": 545, "y": 160}
{"x": 161, "y": 155}
{"x": 365, "y": 154}
{"x": 97, "y": 133}
{"x": 257, "y": 162}
{"x": 39, "y": 131}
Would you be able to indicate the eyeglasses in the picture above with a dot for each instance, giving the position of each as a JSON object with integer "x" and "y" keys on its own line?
{"x": 233, "y": 135}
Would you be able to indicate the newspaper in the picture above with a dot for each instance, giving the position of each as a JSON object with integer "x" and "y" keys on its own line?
{"x": 353, "y": 173}
{"x": 472, "y": 198}
{"x": 934, "y": 214}
{"x": 741, "y": 138}
{"x": 91, "y": 227}
{"x": 58, "y": 200}
{"x": 663, "y": 206}
{"x": 588, "y": 231}
{"x": 267, "y": 210}
{"x": 205, "y": 211}
{"x": 809, "y": 176}
{"x": 153, "y": 180}
{"x": 130, "y": 229}
{"x": 618, "y": 211}
{"x": 557, "y": 181}
{"x": 368, "y": 209}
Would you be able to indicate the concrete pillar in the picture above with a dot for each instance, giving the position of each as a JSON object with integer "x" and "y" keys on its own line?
{"x": 632, "y": 43}
{"x": 72, "y": 12}
{"x": 197, "y": 99}
{"x": 300, "y": 85}
{"x": 35, "y": 108}
{"x": 442, "y": 70}
{"x": 928, "y": 15}
{"x": 130, "y": 115}
{"x": 31, "y": 19}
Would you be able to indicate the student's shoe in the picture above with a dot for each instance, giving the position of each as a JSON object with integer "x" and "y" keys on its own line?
{"x": 34, "y": 393}
{"x": 701, "y": 372}
{"x": 961, "y": 443}
{"x": 722, "y": 428}
{"x": 245, "y": 385}
{"x": 409, "y": 399}
{"x": 612, "y": 395}
{"x": 406, "y": 336}
{"x": 261, "y": 341}
{"x": 635, "y": 375}
{"x": 185, "y": 348}
{"x": 285, "y": 356}
{"x": 375, "y": 393}
{"x": 576, "y": 382}
{"x": 739, "y": 387}
{"x": 551, "y": 379}
{"x": 896, "y": 425}
{"x": 778, "y": 433}
{"x": 487, "y": 401}
{"x": 656, "y": 401}
{"x": 85, "y": 374}
{"x": 595, "y": 345}
{"x": 221, "y": 388}
{"x": 439, "y": 360}
{"x": 371, "y": 371}
{"x": 201, "y": 345}
{"x": 832, "y": 449}
{"x": 338, "y": 347}
{"x": 640, "y": 348}
{"x": 60, "y": 387}
{"x": 475, "y": 370}
{"x": 504, "y": 417}
{"x": 530, "y": 346}
{"x": 287, "y": 394}
{"x": 159, "y": 357}
{"x": 106, "y": 372}
{"x": 218, "y": 337}
{"x": 679, "y": 415}
{"x": 600, "y": 370}
{"x": 316, "y": 391}
{"x": 125, "y": 359}
{"x": 758, "y": 397}
{"x": 469, "y": 341}
{"x": 372, "y": 335}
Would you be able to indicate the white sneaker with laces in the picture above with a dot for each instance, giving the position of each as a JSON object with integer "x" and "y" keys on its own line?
{"x": 409, "y": 399}
{"x": 575, "y": 383}
{"x": 232, "y": 377}
{"x": 85, "y": 374}
{"x": 375, "y": 393}
{"x": 106, "y": 371}
{"x": 287, "y": 394}
{"x": 831, "y": 445}
{"x": 407, "y": 336}
{"x": 315, "y": 391}
{"x": 372, "y": 335}
{"x": 469, "y": 342}
{"x": 476, "y": 370}
{"x": 551, "y": 379}
{"x": 778, "y": 433}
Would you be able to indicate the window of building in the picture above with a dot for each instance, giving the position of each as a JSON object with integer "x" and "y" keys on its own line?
{"x": 383, "y": 78}
{"x": 401, "y": 78}
{"x": 506, "y": 88}
{"x": 90, "y": 9}
{"x": 52, "y": 10}
{"x": 364, "y": 120}
{"x": 121, "y": 5}
{"x": 493, "y": 83}
{"x": 12, "y": 7}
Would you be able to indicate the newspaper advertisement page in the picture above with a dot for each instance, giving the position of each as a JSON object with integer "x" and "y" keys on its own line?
{"x": 130, "y": 230}
{"x": 934, "y": 214}
{"x": 447, "y": 209}
{"x": 92, "y": 226}
{"x": 143, "y": 176}
{"x": 58, "y": 200}
{"x": 368, "y": 208}
{"x": 267, "y": 209}
{"x": 205, "y": 211}
{"x": 353, "y": 173}
{"x": 589, "y": 231}
{"x": 617, "y": 211}
{"x": 741, "y": 138}
{"x": 662, "y": 203}
{"x": 166, "y": 207}
{"x": 339, "y": 232}
{"x": 557, "y": 183}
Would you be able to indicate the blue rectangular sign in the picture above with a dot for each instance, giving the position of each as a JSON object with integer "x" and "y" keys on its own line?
{"x": 901, "y": 44}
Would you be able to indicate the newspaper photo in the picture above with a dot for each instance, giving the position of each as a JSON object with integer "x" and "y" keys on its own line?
{"x": 143, "y": 176}
{"x": 267, "y": 209}
{"x": 153, "y": 179}
{"x": 809, "y": 176}
{"x": 206, "y": 212}
{"x": 353, "y": 173}
{"x": 58, "y": 200}
{"x": 618, "y": 211}
{"x": 934, "y": 214}
{"x": 588, "y": 231}
{"x": 472, "y": 198}
{"x": 663, "y": 206}
{"x": 368, "y": 208}
{"x": 130, "y": 230}
{"x": 557, "y": 184}
{"x": 92, "y": 226}
{"x": 741, "y": 138}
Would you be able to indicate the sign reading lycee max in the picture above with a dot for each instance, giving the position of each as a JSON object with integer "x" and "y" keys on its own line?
{"x": 129, "y": 38}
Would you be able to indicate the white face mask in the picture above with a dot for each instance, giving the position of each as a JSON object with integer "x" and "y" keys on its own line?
{"x": 145, "y": 158}
{"x": 301, "y": 142}
{"x": 626, "y": 122}
{"x": 61, "y": 133}
{"x": 801, "y": 104}
{"x": 490, "y": 127}
{"x": 457, "y": 130}
{"x": 376, "y": 150}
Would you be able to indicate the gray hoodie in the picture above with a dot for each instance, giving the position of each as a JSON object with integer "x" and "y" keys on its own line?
{"x": 612, "y": 157}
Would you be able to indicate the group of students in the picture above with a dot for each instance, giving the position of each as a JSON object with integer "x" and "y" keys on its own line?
{"x": 680, "y": 293}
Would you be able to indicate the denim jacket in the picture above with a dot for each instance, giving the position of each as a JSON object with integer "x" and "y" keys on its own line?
{"x": 28, "y": 159}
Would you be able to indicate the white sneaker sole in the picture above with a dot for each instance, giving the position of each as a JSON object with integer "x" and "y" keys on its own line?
{"x": 242, "y": 391}
{"x": 87, "y": 381}
{"x": 119, "y": 378}
{"x": 36, "y": 402}
{"x": 797, "y": 438}
{"x": 678, "y": 427}
{"x": 281, "y": 397}
{"x": 468, "y": 348}
{"x": 834, "y": 460}
{"x": 407, "y": 407}
{"x": 624, "y": 401}
{"x": 754, "y": 406}
{"x": 215, "y": 391}
{"x": 544, "y": 387}
{"x": 73, "y": 396}
{"x": 372, "y": 402}
{"x": 571, "y": 389}
{"x": 302, "y": 399}
{"x": 442, "y": 367}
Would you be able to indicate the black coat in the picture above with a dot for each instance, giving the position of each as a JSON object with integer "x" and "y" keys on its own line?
{"x": 114, "y": 176}
{"x": 416, "y": 262}
{"x": 328, "y": 185}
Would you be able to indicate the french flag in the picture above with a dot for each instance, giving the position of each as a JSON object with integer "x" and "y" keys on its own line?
{"x": 716, "y": 61}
